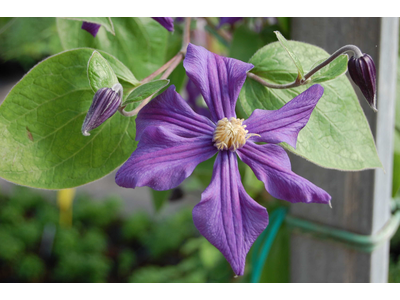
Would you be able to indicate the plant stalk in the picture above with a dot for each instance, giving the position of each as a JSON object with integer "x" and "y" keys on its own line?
{"x": 348, "y": 48}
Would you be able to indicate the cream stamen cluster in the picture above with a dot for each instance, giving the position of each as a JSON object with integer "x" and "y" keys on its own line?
{"x": 231, "y": 134}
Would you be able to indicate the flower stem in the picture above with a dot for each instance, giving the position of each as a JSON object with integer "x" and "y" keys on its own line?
{"x": 348, "y": 48}
{"x": 186, "y": 36}
{"x": 168, "y": 67}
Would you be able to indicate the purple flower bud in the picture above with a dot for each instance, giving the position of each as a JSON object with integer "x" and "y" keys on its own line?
{"x": 105, "y": 104}
{"x": 92, "y": 28}
{"x": 362, "y": 71}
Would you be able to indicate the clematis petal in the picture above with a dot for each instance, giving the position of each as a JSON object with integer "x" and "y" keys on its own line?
{"x": 271, "y": 165}
{"x": 171, "y": 110}
{"x": 163, "y": 159}
{"x": 218, "y": 78}
{"x": 92, "y": 28}
{"x": 167, "y": 23}
{"x": 227, "y": 216}
{"x": 284, "y": 124}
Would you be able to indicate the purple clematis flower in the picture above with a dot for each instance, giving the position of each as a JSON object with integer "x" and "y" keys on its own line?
{"x": 167, "y": 23}
{"x": 173, "y": 140}
{"x": 92, "y": 28}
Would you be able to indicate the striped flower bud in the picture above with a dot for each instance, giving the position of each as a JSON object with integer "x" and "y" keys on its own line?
{"x": 105, "y": 104}
{"x": 362, "y": 71}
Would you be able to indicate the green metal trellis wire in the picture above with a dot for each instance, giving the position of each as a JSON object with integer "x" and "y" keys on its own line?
{"x": 364, "y": 243}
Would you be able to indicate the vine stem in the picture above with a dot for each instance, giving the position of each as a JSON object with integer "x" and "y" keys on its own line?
{"x": 348, "y": 48}
{"x": 169, "y": 67}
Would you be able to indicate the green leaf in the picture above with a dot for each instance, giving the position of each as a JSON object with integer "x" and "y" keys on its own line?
{"x": 335, "y": 69}
{"x": 244, "y": 43}
{"x": 159, "y": 198}
{"x": 139, "y": 43}
{"x": 100, "y": 73}
{"x": 105, "y": 21}
{"x": 285, "y": 44}
{"x": 337, "y": 135}
{"x": 120, "y": 69}
{"x": 51, "y": 102}
{"x": 145, "y": 90}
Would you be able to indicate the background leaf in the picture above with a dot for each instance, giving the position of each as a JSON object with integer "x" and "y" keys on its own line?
{"x": 337, "y": 135}
{"x": 245, "y": 42}
{"x": 28, "y": 40}
{"x": 51, "y": 101}
{"x": 104, "y": 21}
{"x": 139, "y": 43}
{"x": 160, "y": 198}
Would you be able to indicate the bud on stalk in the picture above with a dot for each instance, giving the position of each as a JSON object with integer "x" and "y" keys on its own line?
{"x": 105, "y": 104}
{"x": 363, "y": 73}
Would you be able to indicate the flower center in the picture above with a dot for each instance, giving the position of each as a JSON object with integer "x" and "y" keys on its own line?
{"x": 231, "y": 134}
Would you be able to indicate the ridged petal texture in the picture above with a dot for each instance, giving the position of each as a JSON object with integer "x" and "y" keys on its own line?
{"x": 271, "y": 165}
{"x": 227, "y": 216}
{"x": 105, "y": 104}
{"x": 171, "y": 111}
{"x": 284, "y": 124}
{"x": 218, "y": 78}
{"x": 163, "y": 159}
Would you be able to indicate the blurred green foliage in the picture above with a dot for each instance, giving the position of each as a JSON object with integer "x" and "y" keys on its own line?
{"x": 101, "y": 246}
{"x": 28, "y": 40}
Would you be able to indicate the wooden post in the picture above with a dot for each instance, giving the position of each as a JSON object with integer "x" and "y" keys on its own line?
{"x": 360, "y": 200}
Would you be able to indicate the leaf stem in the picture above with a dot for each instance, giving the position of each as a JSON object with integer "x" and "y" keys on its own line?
{"x": 169, "y": 67}
{"x": 159, "y": 71}
{"x": 300, "y": 81}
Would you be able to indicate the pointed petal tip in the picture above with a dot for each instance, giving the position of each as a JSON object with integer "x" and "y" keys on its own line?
{"x": 85, "y": 133}
{"x": 317, "y": 88}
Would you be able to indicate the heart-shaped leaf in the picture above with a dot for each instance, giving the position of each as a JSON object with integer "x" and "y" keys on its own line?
{"x": 40, "y": 125}
{"x": 337, "y": 135}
